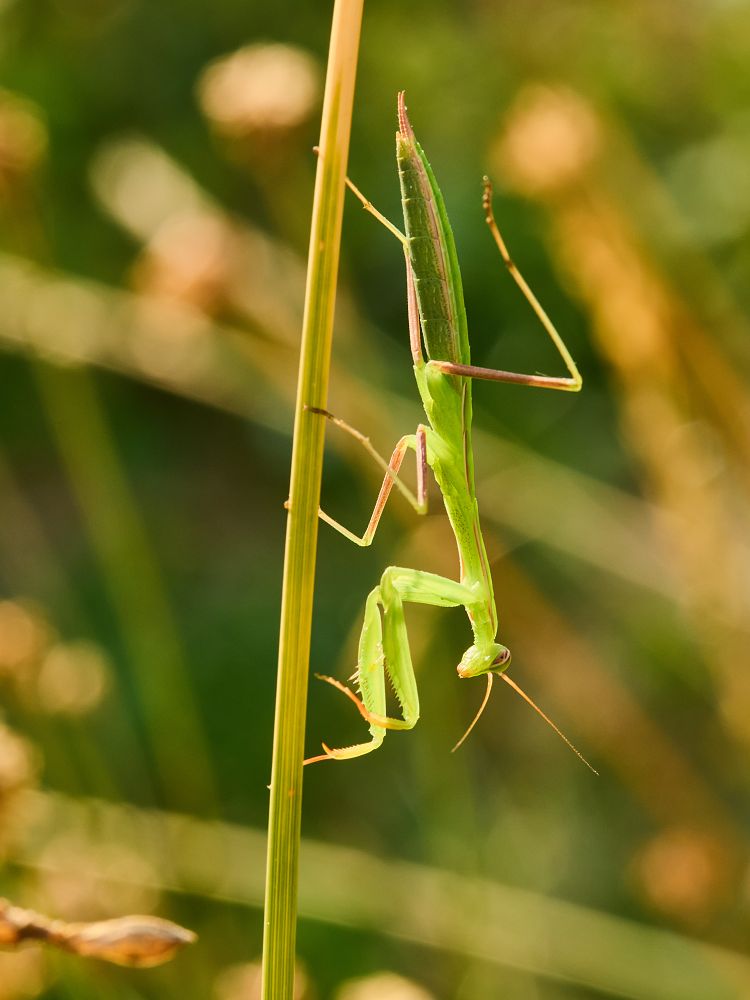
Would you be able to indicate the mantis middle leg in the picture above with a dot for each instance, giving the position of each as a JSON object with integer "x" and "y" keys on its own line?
{"x": 418, "y": 442}
{"x": 384, "y": 649}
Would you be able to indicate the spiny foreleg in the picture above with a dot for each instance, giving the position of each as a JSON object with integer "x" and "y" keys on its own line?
{"x": 384, "y": 649}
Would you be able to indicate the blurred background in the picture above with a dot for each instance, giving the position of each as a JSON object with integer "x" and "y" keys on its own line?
{"x": 156, "y": 180}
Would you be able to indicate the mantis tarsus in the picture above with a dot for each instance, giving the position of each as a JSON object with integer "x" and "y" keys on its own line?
{"x": 437, "y": 318}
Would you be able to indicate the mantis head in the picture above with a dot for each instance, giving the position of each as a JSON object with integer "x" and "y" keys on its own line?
{"x": 479, "y": 660}
{"x": 495, "y": 660}
{"x": 475, "y": 662}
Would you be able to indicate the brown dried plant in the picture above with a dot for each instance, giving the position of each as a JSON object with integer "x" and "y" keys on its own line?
{"x": 138, "y": 941}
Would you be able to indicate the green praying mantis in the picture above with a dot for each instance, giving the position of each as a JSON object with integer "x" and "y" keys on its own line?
{"x": 437, "y": 319}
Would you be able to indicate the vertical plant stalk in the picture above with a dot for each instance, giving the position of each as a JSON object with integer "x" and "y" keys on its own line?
{"x": 304, "y": 495}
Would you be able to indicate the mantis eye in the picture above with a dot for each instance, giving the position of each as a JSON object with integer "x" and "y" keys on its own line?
{"x": 502, "y": 659}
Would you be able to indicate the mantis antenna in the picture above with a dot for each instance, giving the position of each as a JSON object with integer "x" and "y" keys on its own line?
{"x": 477, "y": 717}
{"x": 536, "y": 708}
{"x": 547, "y": 719}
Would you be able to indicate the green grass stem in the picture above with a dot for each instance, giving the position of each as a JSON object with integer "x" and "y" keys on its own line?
{"x": 285, "y": 814}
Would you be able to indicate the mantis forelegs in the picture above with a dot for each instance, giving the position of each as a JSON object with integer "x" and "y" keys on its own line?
{"x": 384, "y": 649}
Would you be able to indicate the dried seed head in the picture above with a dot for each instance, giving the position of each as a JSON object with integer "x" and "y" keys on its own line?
{"x": 383, "y": 986}
{"x": 19, "y": 767}
{"x": 686, "y": 873}
{"x": 244, "y": 982}
{"x": 23, "y": 138}
{"x": 72, "y": 678}
{"x": 24, "y": 635}
{"x": 188, "y": 258}
{"x": 549, "y": 141}
{"x": 139, "y": 941}
{"x": 135, "y": 940}
{"x": 13, "y": 923}
{"x": 240, "y": 982}
{"x": 260, "y": 88}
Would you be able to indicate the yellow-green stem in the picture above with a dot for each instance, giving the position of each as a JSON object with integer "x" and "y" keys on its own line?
{"x": 304, "y": 495}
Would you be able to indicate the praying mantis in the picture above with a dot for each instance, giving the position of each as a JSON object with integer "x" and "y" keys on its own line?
{"x": 437, "y": 320}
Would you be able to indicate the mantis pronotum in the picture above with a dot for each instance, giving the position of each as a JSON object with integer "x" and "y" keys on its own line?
{"x": 437, "y": 318}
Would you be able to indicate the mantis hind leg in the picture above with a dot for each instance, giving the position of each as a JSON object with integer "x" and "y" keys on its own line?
{"x": 384, "y": 649}
{"x": 573, "y": 382}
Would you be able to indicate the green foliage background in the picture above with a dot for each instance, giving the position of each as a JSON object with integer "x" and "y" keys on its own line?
{"x": 141, "y": 497}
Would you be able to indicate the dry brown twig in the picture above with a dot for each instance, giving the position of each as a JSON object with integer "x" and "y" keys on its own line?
{"x": 139, "y": 941}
